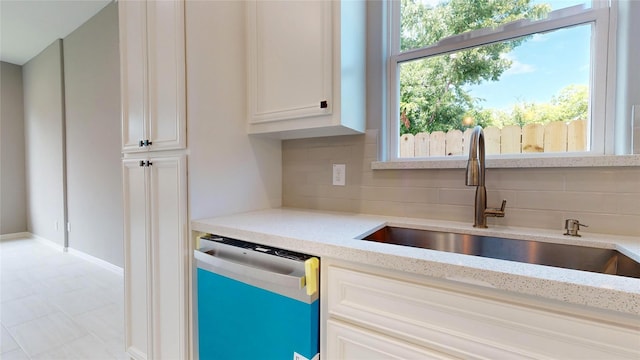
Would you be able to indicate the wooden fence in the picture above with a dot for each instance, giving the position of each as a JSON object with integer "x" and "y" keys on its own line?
{"x": 556, "y": 136}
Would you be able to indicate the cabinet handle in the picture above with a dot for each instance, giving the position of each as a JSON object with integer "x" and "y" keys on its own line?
{"x": 147, "y": 143}
{"x": 323, "y": 104}
{"x": 141, "y": 162}
{"x": 141, "y": 143}
{"x": 149, "y": 163}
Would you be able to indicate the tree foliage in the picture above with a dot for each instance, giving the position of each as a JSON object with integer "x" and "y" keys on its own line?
{"x": 570, "y": 103}
{"x": 432, "y": 91}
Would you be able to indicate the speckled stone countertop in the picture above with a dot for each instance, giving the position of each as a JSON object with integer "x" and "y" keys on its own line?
{"x": 336, "y": 235}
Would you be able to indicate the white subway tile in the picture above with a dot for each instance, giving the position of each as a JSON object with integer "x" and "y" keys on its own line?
{"x": 625, "y": 180}
{"x": 457, "y": 196}
{"x": 525, "y": 179}
{"x": 627, "y": 204}
{"x": 389, "y": 208}
{"x": 440, "y": 212}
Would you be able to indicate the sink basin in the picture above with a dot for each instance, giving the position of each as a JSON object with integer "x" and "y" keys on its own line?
{"x": 604, "y": 261}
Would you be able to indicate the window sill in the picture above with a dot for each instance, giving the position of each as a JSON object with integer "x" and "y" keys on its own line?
{"x": 460, "y": 162}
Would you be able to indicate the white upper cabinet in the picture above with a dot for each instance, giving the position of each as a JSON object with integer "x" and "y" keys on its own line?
{"x": 152, "y": 52}
{"x": 306, "y": 67}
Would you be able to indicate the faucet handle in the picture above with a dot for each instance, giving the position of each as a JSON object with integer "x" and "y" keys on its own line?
{"x": 496, "y": 212}
{"x": 504, "y": 205}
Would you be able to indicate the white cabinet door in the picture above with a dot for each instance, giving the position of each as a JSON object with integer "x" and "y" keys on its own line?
{"x": 306, "y": 67}
{"x": 137, "y": 260}
{"x": 290, "y": 59}
{"x": 169, "y": 250}
{"x": 132, "y": 17}
{"x": 156, "y": 256}
{"x": 152, "y": 52}
{"x": 166, "y": 59}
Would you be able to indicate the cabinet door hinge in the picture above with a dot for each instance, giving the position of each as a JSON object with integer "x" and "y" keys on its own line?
{"x": 324, "y": 104}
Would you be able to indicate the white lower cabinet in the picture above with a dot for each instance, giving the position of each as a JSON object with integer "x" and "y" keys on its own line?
{"x": 378, "y": 314}
{"x": 156, "y": 257}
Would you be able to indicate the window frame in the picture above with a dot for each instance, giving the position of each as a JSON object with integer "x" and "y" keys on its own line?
{"x": 602, "y": 99}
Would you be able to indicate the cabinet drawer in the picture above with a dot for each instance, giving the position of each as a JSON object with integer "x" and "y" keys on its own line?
{"x": 470, "y": 326}
{"x": 351, "y": 342}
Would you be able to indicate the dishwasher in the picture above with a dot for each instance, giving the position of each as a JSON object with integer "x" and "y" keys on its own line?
{"x": 255, "y": 301}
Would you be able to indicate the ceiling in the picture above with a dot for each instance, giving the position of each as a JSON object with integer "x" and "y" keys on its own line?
{"x": 28, "y": 26}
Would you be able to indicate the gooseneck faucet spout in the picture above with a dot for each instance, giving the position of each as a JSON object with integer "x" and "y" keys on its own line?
{"x": 475, "y": 177}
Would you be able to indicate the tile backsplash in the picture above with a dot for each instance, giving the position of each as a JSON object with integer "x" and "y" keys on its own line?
{"x": 606, "y": 199}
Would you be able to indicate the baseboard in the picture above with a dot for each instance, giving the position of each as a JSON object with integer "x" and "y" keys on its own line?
{"x": 47, "y": 242}
{"x": 20, "y": 235}
{"x": 92, "y": 259}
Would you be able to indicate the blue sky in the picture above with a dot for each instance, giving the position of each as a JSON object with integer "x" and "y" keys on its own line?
{"x": 542, "y": 66}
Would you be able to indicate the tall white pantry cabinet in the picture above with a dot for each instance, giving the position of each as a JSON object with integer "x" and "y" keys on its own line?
{"x": 152, "y": 55}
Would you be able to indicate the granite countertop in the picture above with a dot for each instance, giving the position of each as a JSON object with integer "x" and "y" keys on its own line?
{"x": 336, "y": 235}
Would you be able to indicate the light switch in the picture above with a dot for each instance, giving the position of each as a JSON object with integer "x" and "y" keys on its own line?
{"x": 339, "y": 174}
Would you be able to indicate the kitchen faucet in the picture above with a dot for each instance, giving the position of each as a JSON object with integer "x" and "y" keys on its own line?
{"x": 475, "y": 177}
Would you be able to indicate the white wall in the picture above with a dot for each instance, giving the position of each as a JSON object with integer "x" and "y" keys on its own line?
{"x": 13, "y": 199}
{"x": 228, "y": 170}
{"x": 44, "y": 126}
{"x": 92, "y": 98}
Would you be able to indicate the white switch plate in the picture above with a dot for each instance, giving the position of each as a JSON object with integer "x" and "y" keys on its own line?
{"x": 339, "y": 174}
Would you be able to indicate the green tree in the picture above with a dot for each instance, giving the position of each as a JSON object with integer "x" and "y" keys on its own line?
{"x": 570, "y": 103}
{"x": 432, "y": 95}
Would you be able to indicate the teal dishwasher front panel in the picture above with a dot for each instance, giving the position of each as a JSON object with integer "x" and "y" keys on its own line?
{"x": 237, "y": 321}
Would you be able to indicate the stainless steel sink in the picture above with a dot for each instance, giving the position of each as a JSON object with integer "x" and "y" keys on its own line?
{"x": 604, "y": 261}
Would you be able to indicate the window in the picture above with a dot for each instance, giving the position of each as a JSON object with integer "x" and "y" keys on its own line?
{"x": 532, "y": 73}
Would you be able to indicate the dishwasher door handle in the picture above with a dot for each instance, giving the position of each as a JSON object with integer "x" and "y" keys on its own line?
{"x": 214, "y": 263}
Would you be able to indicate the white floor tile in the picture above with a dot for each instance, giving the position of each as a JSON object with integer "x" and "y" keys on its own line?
{"x": 62, "y": 284}
{"x": 106, "y": 323}
{"x": 79, "y": 301}
{"x": 76, "y": 268}
{"x": 11, "y": 290}
{"x": 16, "y": 354}
{"x": 46, "y": 333}
{"x": 116, "y": 348}
{"x": 86, "y": 347}
{"x": 21, "y": 310}
{"x": 107, "y": 279}
{"x": 69, "y": 308}
{"x": 6, "y": 341}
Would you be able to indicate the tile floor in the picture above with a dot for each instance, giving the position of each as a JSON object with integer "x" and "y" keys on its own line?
{"x": 55, "y": 305}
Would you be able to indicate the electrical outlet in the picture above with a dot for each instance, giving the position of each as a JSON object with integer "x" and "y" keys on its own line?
{"x": 339, "y": 174}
